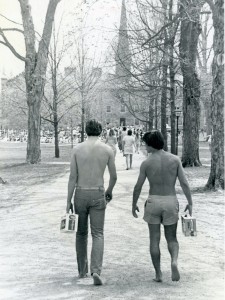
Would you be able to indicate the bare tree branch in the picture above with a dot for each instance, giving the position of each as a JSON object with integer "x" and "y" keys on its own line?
{"x": 10, "y": 46}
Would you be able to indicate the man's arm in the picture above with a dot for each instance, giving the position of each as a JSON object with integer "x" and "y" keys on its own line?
{"x": 185, "y": 187}
{"x": 72, "y": 181}
{"x": 137, "y": 189}
{"x": 112, "y": 174}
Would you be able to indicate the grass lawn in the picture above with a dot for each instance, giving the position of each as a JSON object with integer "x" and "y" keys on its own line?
{"x": 20, "y": 175}
{"x": 17, "y": 172}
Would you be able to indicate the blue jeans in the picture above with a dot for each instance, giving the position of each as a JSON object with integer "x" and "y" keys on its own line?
{"x": 90, "y": 202}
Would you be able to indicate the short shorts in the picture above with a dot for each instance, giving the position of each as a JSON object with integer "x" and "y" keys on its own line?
{"x": 161, "y": 209}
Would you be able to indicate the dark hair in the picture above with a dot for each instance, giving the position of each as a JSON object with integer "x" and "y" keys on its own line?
{"x": 129, "y": 132}
{"x": 93, "y": 128}
{"x": 154, "y": 139}
{"x": 124, "y": 128}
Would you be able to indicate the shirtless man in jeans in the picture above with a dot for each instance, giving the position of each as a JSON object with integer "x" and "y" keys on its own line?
{"x": 162, "y": 169}
{"x": 88, "y": 162}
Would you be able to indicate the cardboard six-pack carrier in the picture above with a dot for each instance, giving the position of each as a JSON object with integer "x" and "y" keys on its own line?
{"x": 67, "y": 224}
{"x": 188, "y": 225}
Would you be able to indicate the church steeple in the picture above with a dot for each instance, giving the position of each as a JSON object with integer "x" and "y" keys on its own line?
{"x": 122, "y": 57}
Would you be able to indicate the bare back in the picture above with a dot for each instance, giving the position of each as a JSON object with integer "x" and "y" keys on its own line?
{"x": 161, "y": 170}
{"x": 92, "y": 157}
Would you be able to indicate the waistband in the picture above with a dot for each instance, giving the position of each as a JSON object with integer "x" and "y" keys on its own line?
{"x": 95, "y": 188}
{"x": 160, "y": 197}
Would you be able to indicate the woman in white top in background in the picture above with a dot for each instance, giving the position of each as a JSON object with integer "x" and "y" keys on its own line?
{"x": 111, "y": 140}
{"x": 128, "y": 148}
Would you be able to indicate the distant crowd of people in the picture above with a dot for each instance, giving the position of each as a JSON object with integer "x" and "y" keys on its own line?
{"x": 128, "y": 139}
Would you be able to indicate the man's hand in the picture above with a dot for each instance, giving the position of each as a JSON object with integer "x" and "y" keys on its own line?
{"x": 134, "y": 209}
{"x": 189, "y": 208}
{"x": 68, "y": 207}
{"x": 108, "y": 195}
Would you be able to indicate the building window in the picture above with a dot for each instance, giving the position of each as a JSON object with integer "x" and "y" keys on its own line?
{"x": 108, "y": 108}
{"x": 122, "y": 108}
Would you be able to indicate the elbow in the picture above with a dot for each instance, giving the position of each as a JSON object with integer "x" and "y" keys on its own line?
{"x": 115, "y": 177}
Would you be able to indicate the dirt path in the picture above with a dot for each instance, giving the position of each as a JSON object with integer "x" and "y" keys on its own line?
{"x": 38, "y": 262}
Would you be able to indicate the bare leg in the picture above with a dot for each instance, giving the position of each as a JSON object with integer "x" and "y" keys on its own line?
{"x": 154, "y": 232}
{"x": 173, "y": 247}
{"x": 131, "y": 158}
{"x": 127, "y": 155}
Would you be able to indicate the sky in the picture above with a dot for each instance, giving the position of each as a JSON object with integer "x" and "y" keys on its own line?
{"x": 101, "y": 19}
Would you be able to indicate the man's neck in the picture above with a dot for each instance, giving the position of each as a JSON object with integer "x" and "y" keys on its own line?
{"x": 92, "y": 138}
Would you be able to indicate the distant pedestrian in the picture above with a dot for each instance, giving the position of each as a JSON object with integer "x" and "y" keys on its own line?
{"x": 124, "y": 133}
{"x": 128, "y": 148}
{"x": 111, "y": 140}
{"x": 120, "y": 145}
{"x": 209, "y": 140}
{"x": 162, "y": 169}
{"x": 88, "y": 162}
{"x": 141, "y": 136}
{"x": 137, "y": 141}
{"x": 202, "y": 132}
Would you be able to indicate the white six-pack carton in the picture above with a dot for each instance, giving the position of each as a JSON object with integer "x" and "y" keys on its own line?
{"x": 188, "y": 225}
{"x": 67, "y": 223}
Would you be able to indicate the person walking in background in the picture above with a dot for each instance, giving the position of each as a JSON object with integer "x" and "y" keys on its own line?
{"x": 111, "y": 140}
{"x": 137, "y": 141}
{"x": 124, "y": 133}
{"x": 120, "y": 146}
{"x": 162, "y": 169}
{"x": 128, "y": 148}
{"x": 88, "y": 162}
{"x": 141, "y": 136}
{"x": 209, "y": 140}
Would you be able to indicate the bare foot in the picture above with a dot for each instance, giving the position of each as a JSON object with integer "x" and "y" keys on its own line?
{"x": 175, "y": 272}
{"x": 158, "y": 277}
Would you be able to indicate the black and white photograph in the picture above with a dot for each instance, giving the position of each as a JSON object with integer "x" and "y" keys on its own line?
{"x": 112, "y": 150}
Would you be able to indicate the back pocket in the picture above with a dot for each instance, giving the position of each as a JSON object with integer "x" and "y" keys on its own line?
{"x": 99, "y": 203}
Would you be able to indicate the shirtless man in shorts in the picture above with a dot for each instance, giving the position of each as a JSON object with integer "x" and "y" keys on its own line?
{"x": 88, "y": 162}
{"x": 162, "y": 169}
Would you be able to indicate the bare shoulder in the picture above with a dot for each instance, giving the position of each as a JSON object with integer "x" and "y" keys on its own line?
{"x": 146, "y": 163}
{"x": 77, "y": 148}
{"x": 104, "y": 148}
{"x": 171, "y": 157}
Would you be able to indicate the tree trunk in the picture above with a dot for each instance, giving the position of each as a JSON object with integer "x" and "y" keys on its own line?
{"x": 56, "y": 139}
{"x": 164, "y": 80}
{"x": 190, "y": 30}
{"x": 56, "y": 124}
{"x": 172, "y": 101}
{"x": 156, "y": 114}
{"x": 163, "y": 104}
{"x": 82, "y": 124}
{"x": 33, "y": 141}
{"x": 216, "y": 177}
{"x": 150, "y": 114}
{"x": 172, "y": 34}
{"x": 35, "y": 70}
